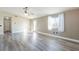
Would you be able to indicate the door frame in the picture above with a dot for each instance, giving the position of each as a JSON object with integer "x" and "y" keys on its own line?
{"x": 4, "y": 23}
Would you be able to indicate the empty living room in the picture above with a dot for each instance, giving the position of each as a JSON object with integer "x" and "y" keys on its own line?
{"x": 39, "y": 29}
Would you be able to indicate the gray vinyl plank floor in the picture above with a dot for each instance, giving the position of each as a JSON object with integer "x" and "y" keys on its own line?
{"x": 35, "y": 42}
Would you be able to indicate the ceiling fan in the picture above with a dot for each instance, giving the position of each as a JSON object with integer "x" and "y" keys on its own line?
{"x": 27, "y": 11}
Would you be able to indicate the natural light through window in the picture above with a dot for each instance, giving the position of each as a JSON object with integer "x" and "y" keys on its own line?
{"x": 56, "y": 23}
{"x": 51, "y": 23}
{"x": 34, "y": 23}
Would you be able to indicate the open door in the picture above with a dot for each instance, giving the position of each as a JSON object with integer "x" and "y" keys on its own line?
{"x": 7, "y": 24}
{"x": 34, "y": 25}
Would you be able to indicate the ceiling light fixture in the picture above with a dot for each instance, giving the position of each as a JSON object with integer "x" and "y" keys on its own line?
{"x": 26, "y": 11}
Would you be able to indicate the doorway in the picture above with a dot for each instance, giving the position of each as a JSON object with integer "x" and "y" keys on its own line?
{"x": 34, "y": 25}
{"x": 7, "y": 24}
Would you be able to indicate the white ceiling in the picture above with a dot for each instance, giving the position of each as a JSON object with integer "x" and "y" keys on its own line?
{"x": 35, "y": 11}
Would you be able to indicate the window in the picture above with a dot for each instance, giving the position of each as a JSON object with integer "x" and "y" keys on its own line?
{"x": 56, "y": 23}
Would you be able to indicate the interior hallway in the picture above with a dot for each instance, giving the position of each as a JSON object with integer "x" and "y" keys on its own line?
{"x": 35, "y": 42}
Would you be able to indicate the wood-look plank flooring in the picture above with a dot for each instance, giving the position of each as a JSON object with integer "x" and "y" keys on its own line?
{"x": 35, "y": 42}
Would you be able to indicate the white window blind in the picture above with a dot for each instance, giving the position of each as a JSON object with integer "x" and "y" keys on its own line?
{"x": 56, "y": 22}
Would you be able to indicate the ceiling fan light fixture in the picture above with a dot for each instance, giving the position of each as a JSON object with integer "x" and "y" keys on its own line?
{"x": 26, "y": 11}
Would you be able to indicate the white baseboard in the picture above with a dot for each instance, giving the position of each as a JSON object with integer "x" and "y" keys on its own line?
{"x": 65, "y": 38}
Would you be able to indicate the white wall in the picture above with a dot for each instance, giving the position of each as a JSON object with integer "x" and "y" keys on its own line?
{"x": 19, "y": 24}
